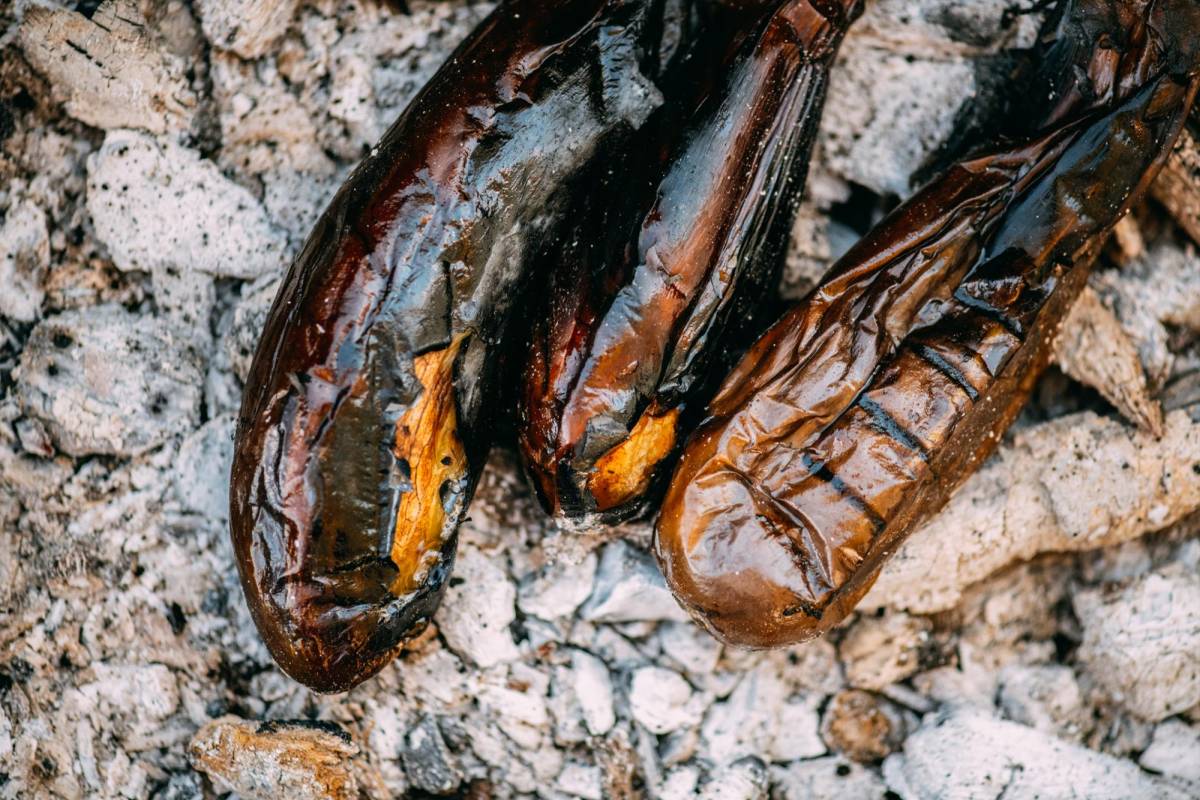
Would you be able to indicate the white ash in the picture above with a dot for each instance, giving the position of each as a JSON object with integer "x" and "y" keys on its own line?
{"x": 294, "y": 200}
{"x": 809, "y": 668}
{"x": 517, "y": 703}
{"x": 678, "y": 784}
{"x": 24, "y": 260}
{"x": 907, "y": 66}
{"x": 1030, "y": 499}
{"x": 202, "y": 468}
{"x": 103, "y": 380}
{"x": 629, "y": 587}
{"x": 662, "y": 701}
{"x": 943, "y": 29}
{"x": 830, "y": 778}
{"x": 478, "y": 610}
{"x": 810, "y": 252}
{"x": 1141, "y": 642}
{"x": 140, "y": 188}
{"x": 903, "y": 110}
{"x": 765, "y": 715}
{"x": 993, "y": 758}
{"x": 1175, "y": 751}
{"x": 746, "y": 779}
{"x": 1046, "y": 697}
{"x": 691, "y": 648}
{"x": 557, "y": 589}
{"x": 556, "y": 658}
{"x": 592, "y": 688}
{"x": 33, "y": 437}
{"x": 264, "y": 127}
{"x": 582, "y": 781}
{"x": 240, "y": 336}
{"x": 247, "y": 28}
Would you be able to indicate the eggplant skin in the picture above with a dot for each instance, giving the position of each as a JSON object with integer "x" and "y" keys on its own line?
{"x": 866, "y": 404}
{"x": 632, "y": 327}
{"x": 366, "y": 416}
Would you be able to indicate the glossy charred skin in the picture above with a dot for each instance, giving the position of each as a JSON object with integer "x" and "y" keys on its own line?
{"x": 861, "y": 409}
{"x": 365, "y": 420}
{"x": 636, "y": 322}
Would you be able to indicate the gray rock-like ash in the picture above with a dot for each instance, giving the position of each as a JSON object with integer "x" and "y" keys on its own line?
{"x": 160, "y": 163}
{"x": 103, "y": 380}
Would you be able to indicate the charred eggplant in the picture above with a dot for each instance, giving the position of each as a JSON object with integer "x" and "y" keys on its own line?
{"x": 639, "y": 307}
{"x": 854, "y": 417}
{"x": 365, "y": 421}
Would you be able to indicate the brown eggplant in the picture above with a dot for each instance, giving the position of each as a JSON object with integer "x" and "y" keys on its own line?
{"x": 637, "y": 314}
{"x": 866, "y": 404}
{"x": 366, "y": 418}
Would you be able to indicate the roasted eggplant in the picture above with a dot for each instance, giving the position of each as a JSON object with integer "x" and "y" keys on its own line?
{"x": 366, "y": 418}
{"x": 638, "y": 307}
{"x": 862, "y": 408}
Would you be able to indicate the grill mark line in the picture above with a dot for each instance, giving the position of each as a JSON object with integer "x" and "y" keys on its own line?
{"x": 948, "y": 370}
{"x": 1010, "y": 324}
{"x": 822, "y": 472}
{"x": 889, "y": 426}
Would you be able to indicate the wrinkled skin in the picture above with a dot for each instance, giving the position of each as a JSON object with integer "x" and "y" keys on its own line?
{"x": 859, "y": 411}
{"x": 639, "y": 306}
{"x": 365, "y": 421}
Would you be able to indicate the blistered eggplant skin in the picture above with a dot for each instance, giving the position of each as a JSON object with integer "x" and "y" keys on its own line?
{"x": 861, "y": 409}
{"x": 633, "y": 326}
{"x": 365, "y": 420}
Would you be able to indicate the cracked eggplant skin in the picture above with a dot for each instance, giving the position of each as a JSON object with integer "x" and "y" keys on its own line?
{"x": 867, "y": 403}
{"x": 367, "y": 414}
{"x": 635, "y": 325}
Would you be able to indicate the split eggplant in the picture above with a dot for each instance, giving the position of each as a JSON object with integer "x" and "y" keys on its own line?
{"x": 366, "y": 418}
{"x": 641, "y": 303}
{"x": 864, "y": 406}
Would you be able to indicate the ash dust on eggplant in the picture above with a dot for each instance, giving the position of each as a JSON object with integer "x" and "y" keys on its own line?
{"x": 1041, "y": 635}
